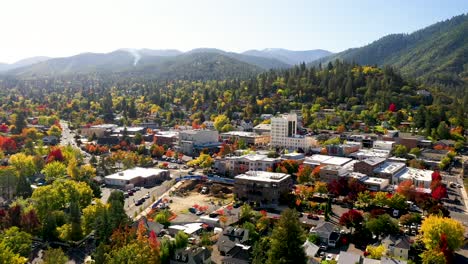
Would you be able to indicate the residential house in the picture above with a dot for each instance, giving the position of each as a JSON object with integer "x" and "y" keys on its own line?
{"x": 311, "y": 251}
{"x": 327, "y": 233}
{"x": 397, "y": 246}
{"x": 231, "y": 237}
{"x": 348, "y": 258}
{"x": 191, "y": 255}
{"x": 239, "y": 254}
{"x": 387, "y": 260}
{"x": 50, "y": 140}
{"x": 149, "y": 226}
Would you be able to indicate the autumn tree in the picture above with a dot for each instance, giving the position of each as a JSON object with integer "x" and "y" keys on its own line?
{"x": 18, "y": 241}
{"x": 407, "y": 189}
{"x": 434, "y": 227}
{"x": 351, "y": 219}
{"x": 54, "y": 256}
{"x": 54, "y": 170}
{"x": 304, "y": 174}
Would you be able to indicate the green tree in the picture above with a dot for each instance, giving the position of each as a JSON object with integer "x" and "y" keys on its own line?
{"x": 18, "y": 241}
{"x": 287, "y": 239}
{"x": 55, "y": 131}
{"x": 55, "y": 256}
{"x": 382, "y": 225}
{"x": 415, "y": 151}
{"x": 117, "y": 215}
{"x": 7, "y": 256}
{"x": 181, "y": 240}
{"x": 400, "y": 151}
{"x": 54, "y": 170}
{"x": 260, "y": 251}
{"x": 20, "y": 122}
{"x": 23, "y": 187}
{"x": 433, "y": 257}
{"x": 443, "y": 131}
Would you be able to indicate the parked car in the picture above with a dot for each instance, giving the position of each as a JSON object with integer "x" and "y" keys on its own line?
{"x": 199, "y": 212}
{"x": 213, "y": 215}
{"x": 192, "y": 210}
{"x": 313, "y": 217}
{"x": 147, "y": 196}
{"x": 329, "y": 257}
{"x": 130, "y": 193}
{"x": 126, "y": 195}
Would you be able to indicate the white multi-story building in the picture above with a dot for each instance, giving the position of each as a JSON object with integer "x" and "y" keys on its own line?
{"x": 192, "y": 141}
{"x": 284, "y": 134}
{"x": 240, "y": 164}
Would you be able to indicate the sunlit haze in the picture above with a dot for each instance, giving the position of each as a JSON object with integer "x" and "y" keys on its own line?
{"x": 64, "y": 28}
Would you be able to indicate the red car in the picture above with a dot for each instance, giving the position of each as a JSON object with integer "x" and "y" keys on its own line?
{"x": 313, "y": 217}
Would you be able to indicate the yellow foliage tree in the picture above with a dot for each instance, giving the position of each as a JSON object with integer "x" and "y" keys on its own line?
{"x": 434, "y": 227}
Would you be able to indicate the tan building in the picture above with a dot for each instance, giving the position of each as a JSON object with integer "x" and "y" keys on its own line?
{"x": 250, "y": 138}
{"x": 263, "y": 188}
{"x": 368, "y": 166}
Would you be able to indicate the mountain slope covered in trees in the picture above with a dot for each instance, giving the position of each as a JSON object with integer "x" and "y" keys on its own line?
{"x": 290, "y": 56}
{"x": 437, "y": 54}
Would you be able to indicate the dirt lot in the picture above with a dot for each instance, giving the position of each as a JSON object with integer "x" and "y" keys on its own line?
{"x": 189, "y": 195}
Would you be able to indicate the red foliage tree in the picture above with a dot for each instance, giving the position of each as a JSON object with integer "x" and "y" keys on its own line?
{"x": 392, "y": 107}
{"x": 352, "y": 218}
{"x": 30, "y": 221}
{"x": 4, "y": 128}
{"x": 8, "y": 145}
{"x": 55, "y": 155}
{"x": 439, "y": 192}
{"x": 436, "y": 176}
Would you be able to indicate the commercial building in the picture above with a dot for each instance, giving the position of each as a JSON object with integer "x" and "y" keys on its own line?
{"x": 328, "y": 173}
{"x": 240, "y": 164}
{"x": 343, "y": 149}
{"x": 420, "y": 178}
{"x": 388, "y": 170}
{"x": 137, "y": 177}
{"x": 363, "y": 154}
{"x": 168, "y": 138}
{"x": 386, "y": 145}
{"x": 193, "y": 141}
{"x": 98, "y": 130}
{"x": 368, "y": 165}
{"x": 284, "y": 134}
{"x": 322, "y": 160}
{"x": 250, "y": 138}
{"x": 262, "y": 129}
{"x": 261, "y": 187}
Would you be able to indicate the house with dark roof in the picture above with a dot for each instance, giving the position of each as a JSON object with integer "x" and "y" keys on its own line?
{"x": 397, "y": 246}
{"x": 150, "y": 226}
{"x": 230, "y": 238}
{"x": 239, "y": 254}
{"x": 191, "y": 255}
{"x": 326, "y": 232}
{"x": 50, "y": 140}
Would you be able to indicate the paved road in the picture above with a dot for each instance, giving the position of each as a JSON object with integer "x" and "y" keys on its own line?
{"x": 68, "y": 138}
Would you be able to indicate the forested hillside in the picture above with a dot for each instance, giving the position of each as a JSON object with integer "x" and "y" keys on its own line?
{"x": 437, "y": 54}
{"x": 356, "y": 92}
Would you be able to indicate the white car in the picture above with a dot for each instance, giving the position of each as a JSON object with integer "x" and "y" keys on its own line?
{"x": 329, "y": 257}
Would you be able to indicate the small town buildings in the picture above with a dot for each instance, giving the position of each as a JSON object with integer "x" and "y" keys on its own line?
{"x": 251, "y": 162}
{"x": 386, "y": 145}
{"x": 97, "y": 130}
{"x": 191, "y": 255}
{"x": 342, "y": 150}
{"x": 193, "y": 141}
{"x": 327, "y": 233}
{"x": 250, "y": 138}
{"x": 298, "y": 157}
{"x": 137, "y": 177}
{"x": 420, "y": 178}
{"x": 311, "y": 251}
{"x": 388, "y": 170}
{"x": 323, "y": 160}
{"x": 363, "y": 154}
{"x": 189, "y": 229}
{"x": 397, "y": 246}
{"x": 168, "y": 138}
{"x": 262, "y": 129}
{"x": 230, "y": 237}
{"x": 375, "y": 184}
{"x": 261, "y": 187}
{"x": 367, "y": 166}
{"x": 328, "y": 173}
{"x": 284, "y": 134}
{"x": 239, "y": 254}
{"x": 387, "y": 260}
{"x": 408, "y": 140}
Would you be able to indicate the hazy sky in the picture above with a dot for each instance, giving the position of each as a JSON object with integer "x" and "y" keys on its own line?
{"x": 64, "y": 28}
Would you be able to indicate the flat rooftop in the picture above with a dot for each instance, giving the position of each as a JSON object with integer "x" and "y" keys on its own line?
{"x": 241, "y": 134}
{"x": 372, "y": 161}
{"x": 381, "y": 153}
{"x": 415, "y": 174}
{"x": 389, "y": 167}
{"x": 134, "y": 173}
{"x": 263, "y": 176}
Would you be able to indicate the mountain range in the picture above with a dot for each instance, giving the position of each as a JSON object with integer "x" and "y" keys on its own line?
{"x": 437, "y": 53}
